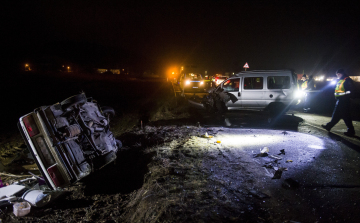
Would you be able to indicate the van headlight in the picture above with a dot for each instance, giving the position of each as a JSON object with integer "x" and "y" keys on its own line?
{"x": 299, "y": 94}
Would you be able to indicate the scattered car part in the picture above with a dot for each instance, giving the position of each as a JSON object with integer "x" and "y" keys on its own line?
{"x": 40, "y": 198}
{"x": 21, "y": 208}
{"x": 11, "y": 190}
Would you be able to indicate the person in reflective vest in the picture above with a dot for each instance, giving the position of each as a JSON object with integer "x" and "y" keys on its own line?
{"x": 304, "y": 84}
{"x": 342, "y": 94}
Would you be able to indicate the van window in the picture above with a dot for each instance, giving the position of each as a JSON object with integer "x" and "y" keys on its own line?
{"x": 231, "y": 85}
{"x": 253, "y": 83}
{"x": 278, "y": 82}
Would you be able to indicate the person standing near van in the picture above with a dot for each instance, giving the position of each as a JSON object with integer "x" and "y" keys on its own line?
{"x": 304, "y": 83}
{"x": 310, "y": 86}
{"x": 342, "y": 93}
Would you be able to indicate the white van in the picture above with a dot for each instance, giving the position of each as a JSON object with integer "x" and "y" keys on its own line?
{"x": 273, "y": 90}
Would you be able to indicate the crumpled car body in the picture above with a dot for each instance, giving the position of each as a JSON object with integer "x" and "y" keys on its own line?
{"x": 69, "y": 140}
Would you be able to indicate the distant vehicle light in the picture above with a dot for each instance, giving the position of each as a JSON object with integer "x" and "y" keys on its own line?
{"x": 201, "y": 82}
{"x": 333, "y": 82}
{"x": 187, "y": 82}
{"x": 319, "y": 78}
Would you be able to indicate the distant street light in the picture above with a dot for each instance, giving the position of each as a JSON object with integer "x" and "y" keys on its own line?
{"x": 68, "y": 68}
{"x": 27, "y": 68}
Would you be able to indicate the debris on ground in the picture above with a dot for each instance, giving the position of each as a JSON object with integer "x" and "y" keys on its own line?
{"x": 278, "y": 173}
{"x": 207, "y": 135}
{"x": 289, "y": 161}
{"x": 21, "y": 208}
{"x": 282, "y": 152}
{"x": 290, "y": 184}
{"x": 275, "y": 157}
{"x": 22, "y": 194}
{"x": 264, "y": 150}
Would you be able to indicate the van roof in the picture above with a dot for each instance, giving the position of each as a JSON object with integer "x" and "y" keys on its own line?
{"x": 263, "y": 72}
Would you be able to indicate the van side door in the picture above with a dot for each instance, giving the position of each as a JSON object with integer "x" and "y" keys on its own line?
{"x": 253, "y": 92}
{"x": 279, "y": 89}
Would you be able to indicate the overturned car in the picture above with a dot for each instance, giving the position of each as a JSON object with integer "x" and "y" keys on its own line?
{"x": 69, "y": 140}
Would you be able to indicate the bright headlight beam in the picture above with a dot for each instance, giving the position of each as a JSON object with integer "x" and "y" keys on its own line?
{"x": 299, "y": 94}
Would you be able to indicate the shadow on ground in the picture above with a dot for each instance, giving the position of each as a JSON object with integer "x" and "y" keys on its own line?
{"x": 126, "y": 174}
{"x": 236, "y": 119}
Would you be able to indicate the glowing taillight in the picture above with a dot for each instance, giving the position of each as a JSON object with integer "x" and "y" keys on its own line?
{"x": 31, "y": 126}
{"x": 55, "y": 175}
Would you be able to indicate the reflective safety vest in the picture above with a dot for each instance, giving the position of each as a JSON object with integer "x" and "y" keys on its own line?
{"x": 340, "y": 90}
{"x": 304, "y": 85}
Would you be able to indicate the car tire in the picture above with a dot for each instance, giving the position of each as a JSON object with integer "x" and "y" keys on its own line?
{"x": 73, "y": 100}
{"x": 108, "y": 111}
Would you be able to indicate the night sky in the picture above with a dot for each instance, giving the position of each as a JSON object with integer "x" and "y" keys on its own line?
{"x": 217, "y": 36}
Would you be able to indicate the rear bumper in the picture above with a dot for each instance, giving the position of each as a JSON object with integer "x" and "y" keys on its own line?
{"x": 32, "y": 149}
{"x": 61, "y": 171}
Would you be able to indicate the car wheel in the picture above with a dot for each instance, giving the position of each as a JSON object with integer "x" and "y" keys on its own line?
{"x": 73, "y": 100}
{"x": 108, "y": 111}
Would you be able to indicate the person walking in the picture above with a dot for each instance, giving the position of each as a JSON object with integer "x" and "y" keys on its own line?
{"x": 343, "y": 92}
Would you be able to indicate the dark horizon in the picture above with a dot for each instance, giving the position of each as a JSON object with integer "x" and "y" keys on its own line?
{"x": 217, "y": 37}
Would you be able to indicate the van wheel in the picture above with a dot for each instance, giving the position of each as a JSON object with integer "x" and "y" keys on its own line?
{"x": 220, "y": 107}
{"x": 277, "y": 109}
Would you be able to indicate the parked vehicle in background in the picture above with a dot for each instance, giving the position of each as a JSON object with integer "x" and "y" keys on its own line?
{"x": 193, "y": 83}
{"x": 273, "y": 90}
{"x": 69, "y": 140}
